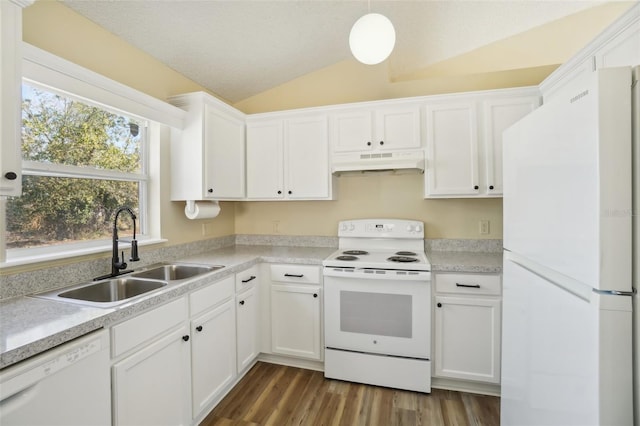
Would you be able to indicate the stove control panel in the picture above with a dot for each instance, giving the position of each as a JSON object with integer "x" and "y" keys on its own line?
{"x": 381, "y": 228}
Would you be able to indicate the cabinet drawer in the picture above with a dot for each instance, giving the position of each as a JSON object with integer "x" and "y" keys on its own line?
{"x": 211, "y": 295}
{"x": 295, "y": 274}
{"x": 247, "y": 279}
{"x": 486, "y": 284}
{"x": 131, "y": 333}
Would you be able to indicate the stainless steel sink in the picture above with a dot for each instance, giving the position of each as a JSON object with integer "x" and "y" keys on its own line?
{"x": 174, "y": 272}
{"x": 107, "y": 293}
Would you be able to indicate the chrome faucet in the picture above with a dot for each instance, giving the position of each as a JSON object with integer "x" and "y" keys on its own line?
{"x": 118, "y": 265}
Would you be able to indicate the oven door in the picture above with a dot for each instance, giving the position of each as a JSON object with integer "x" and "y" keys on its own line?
{"x": 378, "y": 314}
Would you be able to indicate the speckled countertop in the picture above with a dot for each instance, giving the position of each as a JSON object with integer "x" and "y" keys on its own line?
{"x": 30, "y": 325}
{"x": 462, "y": 261}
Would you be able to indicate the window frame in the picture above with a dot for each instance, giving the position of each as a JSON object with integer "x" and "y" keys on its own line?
{"x": 45, "y": 70}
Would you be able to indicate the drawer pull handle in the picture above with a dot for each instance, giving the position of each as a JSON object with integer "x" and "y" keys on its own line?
{"x": 253, "y": 277}
{"x": 468, "y": 285}
{"x": 294, "y": 275}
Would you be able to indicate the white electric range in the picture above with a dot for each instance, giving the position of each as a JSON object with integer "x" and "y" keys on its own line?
{"x": 377, "y": 305}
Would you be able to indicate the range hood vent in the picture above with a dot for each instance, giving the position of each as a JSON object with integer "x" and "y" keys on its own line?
{"x": 377, "y": 162}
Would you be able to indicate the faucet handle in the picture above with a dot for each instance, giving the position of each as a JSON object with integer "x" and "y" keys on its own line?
{"x": 123, "y": 264}
{"x": 134, "y": 251}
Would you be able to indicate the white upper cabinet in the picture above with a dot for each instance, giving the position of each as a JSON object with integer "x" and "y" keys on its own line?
{"x": 464, "y": 140}
{"x": 452, "y": 149}
{"x": 307, "y": 158}
{"x": 288, "y": 158}
{"x": 208, "y": 158}
{"x": 618, "y": 45}
{"x": 10, "y": 78}
{"x": 382, "y": 127}
{"x": 499, "y": 114}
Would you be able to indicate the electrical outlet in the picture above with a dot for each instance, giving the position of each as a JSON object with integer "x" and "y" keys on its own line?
{"x": 484, "y": 227}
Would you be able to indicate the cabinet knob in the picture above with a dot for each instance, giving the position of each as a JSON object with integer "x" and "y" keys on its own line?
{"x": 242, "y": 302}
{"x": 289, "y": 192}
{"x": 279, "y": 192}
{"x": 368, "y": 143}
{"x": 185, "y": 338}
{"x": 439, "y": 305}
{"x": 381, "y": 142}
{"x": 476, "y": 187}
{"x": 198, "y": 328}
{"x": 490, "y": 186}
{"x": 210, "y": 190}
{"x": 315, "y": 294}
{"x": 11, "y": 175}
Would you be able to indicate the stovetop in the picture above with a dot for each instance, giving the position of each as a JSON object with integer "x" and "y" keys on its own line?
{"x": 379, "y": 259}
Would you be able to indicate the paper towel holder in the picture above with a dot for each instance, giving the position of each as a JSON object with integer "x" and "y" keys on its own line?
{"x": 205, "y": 209}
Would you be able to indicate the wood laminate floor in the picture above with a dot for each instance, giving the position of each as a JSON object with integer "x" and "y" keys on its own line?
{"x": 273, "y": 394}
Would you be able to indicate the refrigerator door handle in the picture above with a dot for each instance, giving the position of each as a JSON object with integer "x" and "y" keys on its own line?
{"x": 615, "y": 292}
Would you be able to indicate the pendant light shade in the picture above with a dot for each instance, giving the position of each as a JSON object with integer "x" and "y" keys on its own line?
{"x": 372, "y": 38}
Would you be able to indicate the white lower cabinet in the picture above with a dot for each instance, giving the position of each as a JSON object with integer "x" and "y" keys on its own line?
{"x": 213, "y": 347}
{"x": 213, "y": 355}
{"x": 467, "y": 327}
{"x": 151, "y": 383}
{"x": 247, "y": 317}
{"x": 296, "y": 311}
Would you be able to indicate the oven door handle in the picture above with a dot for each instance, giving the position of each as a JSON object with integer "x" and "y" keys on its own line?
{"x": 294, "y": 275}
{"x": 468, "y": 285}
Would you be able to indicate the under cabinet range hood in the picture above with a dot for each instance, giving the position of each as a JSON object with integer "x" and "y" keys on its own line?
{"x": 378, "y": 162}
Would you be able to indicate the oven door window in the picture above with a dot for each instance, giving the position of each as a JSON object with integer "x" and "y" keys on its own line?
{"x": 361, "y": 312}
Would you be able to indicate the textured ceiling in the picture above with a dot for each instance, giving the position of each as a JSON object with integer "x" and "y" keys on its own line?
{"x": 240, "y": 48}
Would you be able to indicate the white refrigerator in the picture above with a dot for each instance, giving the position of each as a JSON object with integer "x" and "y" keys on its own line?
{"x": 567, "y": 321}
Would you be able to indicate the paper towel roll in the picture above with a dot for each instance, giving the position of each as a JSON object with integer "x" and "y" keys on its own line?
{"x": 201, "y": 209}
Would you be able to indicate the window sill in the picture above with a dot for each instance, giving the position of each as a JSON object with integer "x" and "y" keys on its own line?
{"x": 71, "y": 252}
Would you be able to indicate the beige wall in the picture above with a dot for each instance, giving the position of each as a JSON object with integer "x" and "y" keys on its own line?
{"x": 372, "y": 196}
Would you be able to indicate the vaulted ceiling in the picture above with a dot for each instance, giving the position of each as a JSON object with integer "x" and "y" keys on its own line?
{"x": 240, "y": 48}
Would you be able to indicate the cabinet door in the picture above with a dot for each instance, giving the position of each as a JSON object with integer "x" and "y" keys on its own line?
{"x": 10, "y": 78}
{"x": 247, "y": 327}
{"x": 352, "y": 131}
{"x": 264, "y": 160}
{"x": 307, "y": 158}
{"x": 622, "y": 50}
{"x": 467, "y": 338}
{"x": 500, "y": 114}
{"x": 295, "y": 320}
{"x": 224, "y": 155}
{"x": 151, "y": 387}
{"x": 397, "y": 128}
{"x": 452, "y": 150}
{"x": 213, "y": 355}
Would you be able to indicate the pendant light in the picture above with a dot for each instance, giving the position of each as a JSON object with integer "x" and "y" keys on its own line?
{"x": 372, "y": 38}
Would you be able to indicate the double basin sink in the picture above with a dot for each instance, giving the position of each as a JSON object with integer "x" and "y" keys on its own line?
{"x": 118, "y": 290}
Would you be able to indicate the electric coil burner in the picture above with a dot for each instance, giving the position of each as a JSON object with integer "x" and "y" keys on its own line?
{"x": 377, "y": 305}
{"x": 402, "y": 259}
{"x": 347, "y": 258}
{"x": 355, "y": 252}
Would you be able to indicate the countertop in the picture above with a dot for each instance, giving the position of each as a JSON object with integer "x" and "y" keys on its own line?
{"x": 463, "y": 261}
{"x": 29, "y": 325}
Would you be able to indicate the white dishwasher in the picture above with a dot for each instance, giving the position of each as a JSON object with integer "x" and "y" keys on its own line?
{"x": 68, "y": 385}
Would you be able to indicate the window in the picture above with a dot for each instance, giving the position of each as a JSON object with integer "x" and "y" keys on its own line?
{"x": 90, "y": 144}
{"x": 81, "y": 162}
